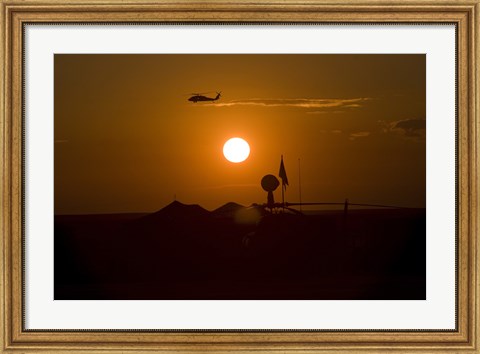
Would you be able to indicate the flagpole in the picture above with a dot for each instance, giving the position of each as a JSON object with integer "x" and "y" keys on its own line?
{"x": 299, "y": 185}
{"x": 283, "y": 175}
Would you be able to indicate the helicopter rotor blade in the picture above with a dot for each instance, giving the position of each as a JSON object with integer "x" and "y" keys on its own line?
{"x": 200, "y": 93}
{"x": 195, "y": 94}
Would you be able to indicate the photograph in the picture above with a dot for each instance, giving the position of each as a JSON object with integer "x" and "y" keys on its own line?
{"x": 239, "y": 176}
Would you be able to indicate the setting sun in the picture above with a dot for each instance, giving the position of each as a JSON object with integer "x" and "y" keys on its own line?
{"x": 236, "y": 150}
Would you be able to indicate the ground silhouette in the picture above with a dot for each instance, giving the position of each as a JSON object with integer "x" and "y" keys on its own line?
{"x": 237, "y": 252}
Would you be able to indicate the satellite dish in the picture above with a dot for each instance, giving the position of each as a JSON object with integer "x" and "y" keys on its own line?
{"x": 270, "y": 183}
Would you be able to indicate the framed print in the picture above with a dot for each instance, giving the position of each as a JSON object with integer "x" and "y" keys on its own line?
{"x": 272, "y": 177}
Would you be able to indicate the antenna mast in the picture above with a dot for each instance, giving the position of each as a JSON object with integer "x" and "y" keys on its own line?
{"x": 299, "y": 185}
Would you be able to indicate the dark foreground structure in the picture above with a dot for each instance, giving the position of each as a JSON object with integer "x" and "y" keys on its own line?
{"x": 235, "y": 253}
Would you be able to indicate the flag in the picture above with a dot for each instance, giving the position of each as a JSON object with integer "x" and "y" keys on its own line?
{"x": 283, "y": 174}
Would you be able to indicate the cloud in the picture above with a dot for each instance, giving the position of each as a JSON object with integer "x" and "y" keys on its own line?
{"x": 411, "y": 127}
{"x": 357, "y": 135}
{"x": 326, "y": 112}
{"x": 245, "y": 185}
{"x": 309, "y": 103}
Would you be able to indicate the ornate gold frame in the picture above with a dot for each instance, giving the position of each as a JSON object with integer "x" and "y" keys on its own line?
{"x": 464, "y": 13}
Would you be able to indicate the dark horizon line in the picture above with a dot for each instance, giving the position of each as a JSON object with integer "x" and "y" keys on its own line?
{"x": 355, "y": 206}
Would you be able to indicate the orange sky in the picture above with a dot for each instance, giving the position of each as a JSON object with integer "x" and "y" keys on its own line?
{"x": 127, "y": 139}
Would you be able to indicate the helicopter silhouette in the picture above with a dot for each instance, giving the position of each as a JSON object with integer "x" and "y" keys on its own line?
{"x": 199, "y": 97}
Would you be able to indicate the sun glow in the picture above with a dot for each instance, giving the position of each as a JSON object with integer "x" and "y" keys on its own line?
{"x": 236, "y": 150}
